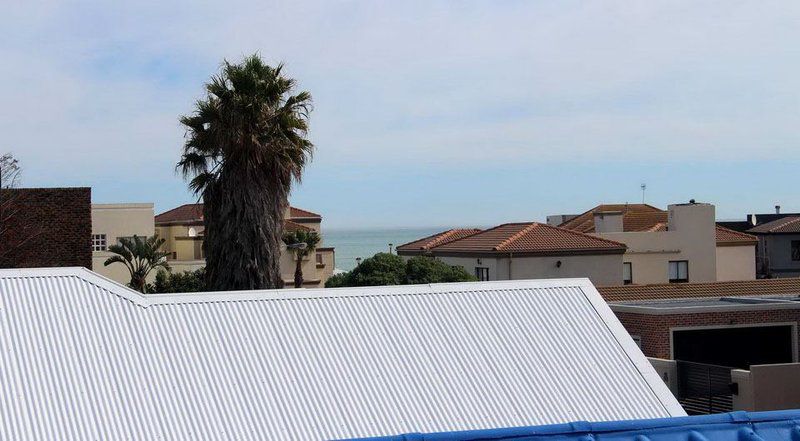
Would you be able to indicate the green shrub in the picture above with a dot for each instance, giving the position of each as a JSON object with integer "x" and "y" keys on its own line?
{"x": 390, "y": 269}
{"x": 187, "y": 281}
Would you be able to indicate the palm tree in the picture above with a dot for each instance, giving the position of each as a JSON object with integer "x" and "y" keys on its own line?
{"x": 140, "y": 256}
{"x": 302, "y": 243}
{"x": 246, "y": 145}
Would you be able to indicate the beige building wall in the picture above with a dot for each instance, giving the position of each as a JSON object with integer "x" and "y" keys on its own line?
{"x": 736, "y": 263}
{"x": 115, "y": 221}
{"x": 601, "y": 269}
{"x": 767, "y": 387}
{"x": 691, "y": 236}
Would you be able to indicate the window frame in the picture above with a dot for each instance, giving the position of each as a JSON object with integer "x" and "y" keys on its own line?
{"x": 480, "y": 272}
{"x": 628, "y": 281}
{"x": 99, "y": 242}
{"x": 794, "y": 250}
{"x": 678, "y": 279}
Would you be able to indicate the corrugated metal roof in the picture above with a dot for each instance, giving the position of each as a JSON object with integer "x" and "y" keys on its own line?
{"x": 85, "y": 358}
{"x": 735, "y": 426}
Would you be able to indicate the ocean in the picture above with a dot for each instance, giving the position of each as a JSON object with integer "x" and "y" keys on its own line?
{"x": 364, "y": 243}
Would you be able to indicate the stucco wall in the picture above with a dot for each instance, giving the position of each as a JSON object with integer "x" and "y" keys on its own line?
{"x": 779, "y": 251}
{"x": 736, "y": 263}
{"x": 119, "y": 220}
{"x": 767, "y": 387}
{"x": 691, "y": 236}
{"x": 602, "y": 269}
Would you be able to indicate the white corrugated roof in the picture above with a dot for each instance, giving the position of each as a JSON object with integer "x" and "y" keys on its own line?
{"x": 85, "y": 358}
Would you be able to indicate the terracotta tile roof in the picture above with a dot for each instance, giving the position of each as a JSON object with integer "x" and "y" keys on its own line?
{"x": 194, "y": 213}
{"x": 295, "y": 212}
{"x": 646, "y": 218}
{"x": 294, "y": 226}
{"x": 529, "y": 237}
{"x": 789, "y": 224}
{"x": 437, "y": 239}
{"x": 666, "y": 291}
{"x": 728, "y": 237}
{"x": 584, "y": 223}
{"x": 184, "y": 213}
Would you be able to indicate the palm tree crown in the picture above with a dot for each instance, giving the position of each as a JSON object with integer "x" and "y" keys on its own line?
{"x": 140, "y": 256}
{"x": 246, "y": 145}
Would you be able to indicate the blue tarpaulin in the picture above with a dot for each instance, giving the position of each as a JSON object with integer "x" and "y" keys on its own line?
{"x": 735, "y": 426}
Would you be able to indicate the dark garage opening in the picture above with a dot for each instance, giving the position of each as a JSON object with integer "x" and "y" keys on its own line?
{"x": 735, "y": 347}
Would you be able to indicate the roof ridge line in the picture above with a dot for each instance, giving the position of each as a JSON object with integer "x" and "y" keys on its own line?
{"x": 591, "y": 236}
{"x": 515, "y": 236}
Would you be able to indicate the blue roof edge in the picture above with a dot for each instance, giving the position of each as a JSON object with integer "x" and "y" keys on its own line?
{"x": 776, "y": 425}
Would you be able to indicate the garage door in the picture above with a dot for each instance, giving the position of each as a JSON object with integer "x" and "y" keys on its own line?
{"x": 737, "y": 347}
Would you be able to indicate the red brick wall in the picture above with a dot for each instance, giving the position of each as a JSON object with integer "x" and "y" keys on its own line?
{"x": 45, "y": 227}
{"x": 654, "y": 330}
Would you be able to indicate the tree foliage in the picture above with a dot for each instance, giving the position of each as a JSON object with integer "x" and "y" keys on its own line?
{"x": 246, "y": 145}
{"x": 140, "y": 256}
{"x": 9, "y": 171}
{"x": 390, "y": 269}
{"x": 187, "y": 281}
{"x": 309, "y": 240}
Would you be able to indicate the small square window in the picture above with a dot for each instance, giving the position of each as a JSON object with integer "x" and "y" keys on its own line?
{"x": 99, "y": 242}
{"x": 678, "y": 271}
{"x": 627, "y": 273}
{"x": 482, "y": 273}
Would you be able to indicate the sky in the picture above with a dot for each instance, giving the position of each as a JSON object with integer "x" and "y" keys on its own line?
{"x": 426, "y": 113}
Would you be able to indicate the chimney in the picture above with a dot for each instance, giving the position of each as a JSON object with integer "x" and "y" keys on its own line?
{"x": 777, "y": 209}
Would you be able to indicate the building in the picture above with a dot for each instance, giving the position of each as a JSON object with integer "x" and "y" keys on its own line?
{"x": 111, "y": 222}
{"x": 778, "y": 247}
{"x": 93, "y": 359}
{"x": 527, "y": 250}
{"x": 45, "y": 227}
{"x": 703, "y": 337}
{"x": 755, "y": 426}
{"x": 682, "y": 244}
{"x": 182, "y": 227}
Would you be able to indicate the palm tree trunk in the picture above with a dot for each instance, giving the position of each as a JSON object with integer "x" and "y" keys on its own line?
{"x": 298, "y": 272}
{"x": 243, "y": 231}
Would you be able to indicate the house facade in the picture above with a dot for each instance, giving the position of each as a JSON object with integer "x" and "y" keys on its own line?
{"x": 182, "y": 228}
{"x": 679, "y": 245}
{"x": 528, "y": 250}
{"x": 110, "y": 223}
{"x": 778, "y": 247}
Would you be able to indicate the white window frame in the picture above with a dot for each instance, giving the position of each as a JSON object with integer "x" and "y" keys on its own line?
{"x": 628, "y": 265}
{"x": 677, "y": 272}
{"x": 99, "y": 242}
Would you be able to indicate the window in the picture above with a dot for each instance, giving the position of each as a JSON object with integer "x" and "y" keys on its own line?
{"x": 627, "y": 273}
{"x": 678, "y": 271}
{"x": 319, "y": 259}
{"x": 482, "y": 273}
{"x": 99, "y": 242}
{"x": 796, "y": 250}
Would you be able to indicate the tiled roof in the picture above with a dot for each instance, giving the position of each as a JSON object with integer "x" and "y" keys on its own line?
{"x": 666, "y": 291}
{"x": 194, "y": 213}
{"x": 529, "y": 237}
{"x": 790, "y": 224}
{"x": 294, "y": 226}
{"x": 726, "y": 236}
{"x": 584, "y": 223}
{"x": 295, "y": 212}
{"x": 184, "y": 213}
{"x": 437, "y": 239}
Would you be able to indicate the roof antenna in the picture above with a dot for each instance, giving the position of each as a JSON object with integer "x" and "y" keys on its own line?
{"x": 643, "y": 187}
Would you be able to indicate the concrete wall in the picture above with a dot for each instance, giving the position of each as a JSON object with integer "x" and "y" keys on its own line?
{"x": 115, "y": 221}
{"x": 691, "y": 236}
{"x": 779, "y": 252}
{"x": 767, "y": 387}
{"x": 736, "y": 263}
{"x": 601, "y": 269}
{"x": 668, "y": 371}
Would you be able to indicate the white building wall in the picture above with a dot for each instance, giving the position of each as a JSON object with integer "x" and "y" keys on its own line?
{"x": 736, "y": 263}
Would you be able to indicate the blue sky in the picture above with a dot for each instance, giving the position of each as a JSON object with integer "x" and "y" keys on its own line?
{"x": 426, "y": 113}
